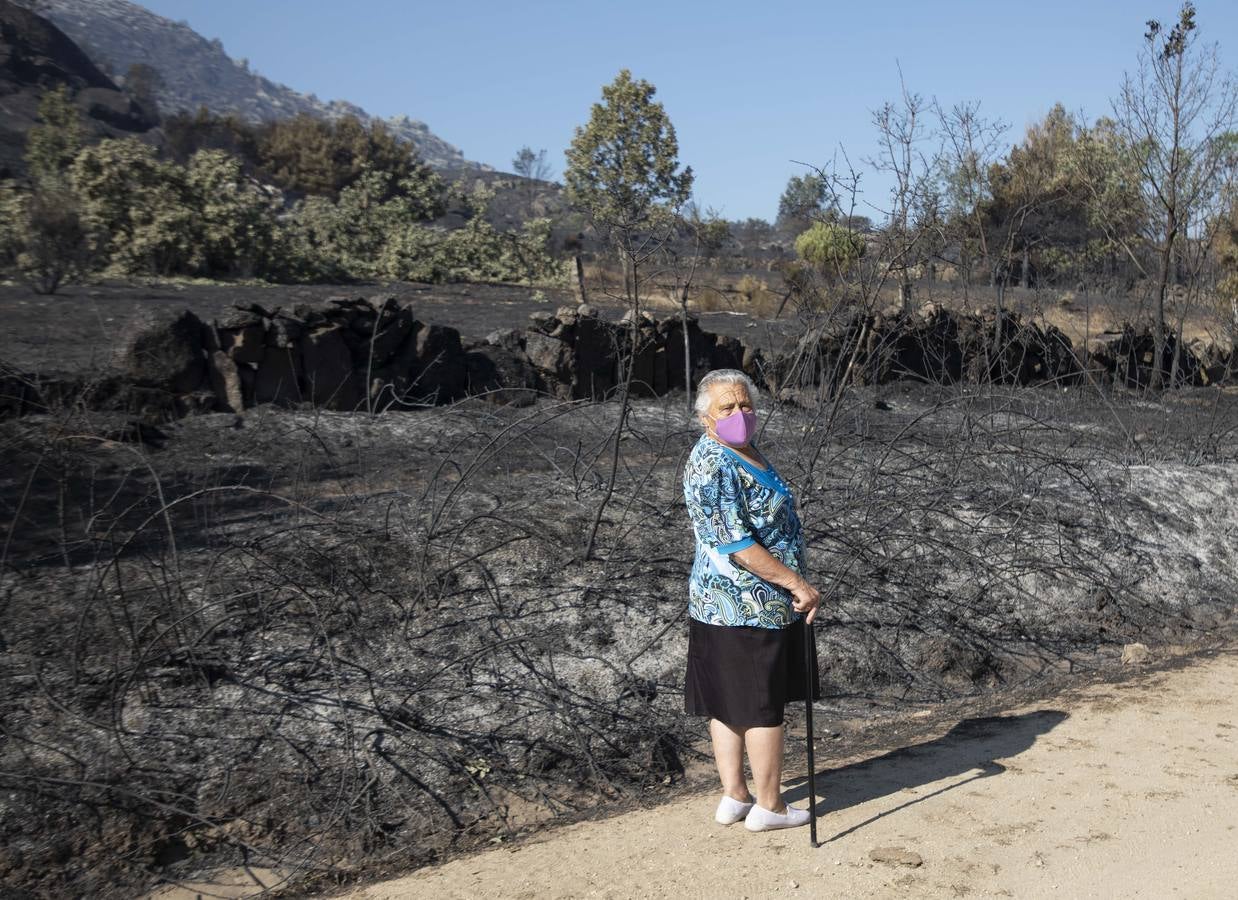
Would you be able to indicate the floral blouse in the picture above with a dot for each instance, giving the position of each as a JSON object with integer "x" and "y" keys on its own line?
{"x": 734, "y": 504}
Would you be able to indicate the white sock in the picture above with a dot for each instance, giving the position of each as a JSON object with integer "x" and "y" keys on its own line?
{"x": 731, "y": 811}
{"x": 761, "y": 819}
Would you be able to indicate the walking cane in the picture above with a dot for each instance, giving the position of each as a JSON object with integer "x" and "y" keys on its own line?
{"x": 810, "y": 657}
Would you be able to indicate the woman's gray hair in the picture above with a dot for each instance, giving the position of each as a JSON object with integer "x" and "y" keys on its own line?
{"x": 721, "y": 376}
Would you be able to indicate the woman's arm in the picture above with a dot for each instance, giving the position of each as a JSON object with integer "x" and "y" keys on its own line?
{"x": 760, "y": 562}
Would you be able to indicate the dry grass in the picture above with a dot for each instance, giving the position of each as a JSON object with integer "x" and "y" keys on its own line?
{"x": 1085, "y": 318}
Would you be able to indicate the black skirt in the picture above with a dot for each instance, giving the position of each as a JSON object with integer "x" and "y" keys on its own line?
{"x": 743, "y": 676}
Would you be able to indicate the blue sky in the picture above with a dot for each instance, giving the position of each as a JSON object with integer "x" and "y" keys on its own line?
{"x": 750, "y": 87}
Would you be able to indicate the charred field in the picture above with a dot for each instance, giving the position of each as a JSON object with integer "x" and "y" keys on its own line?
{"x": 340, "y": 643}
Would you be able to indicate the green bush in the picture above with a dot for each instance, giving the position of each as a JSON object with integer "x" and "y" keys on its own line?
{"x": 43, "y": 240}
{"x": 363, "y": 237}
{"x": 117, "y": 203}
{"x": 52, "y": 144}
{"x": 829, "y": 247}
{"x": 138, "y": 207}
{"x": 235, "y": 219}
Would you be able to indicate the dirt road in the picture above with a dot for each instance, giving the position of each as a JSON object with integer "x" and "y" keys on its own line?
{"x": 1114, "y": 790}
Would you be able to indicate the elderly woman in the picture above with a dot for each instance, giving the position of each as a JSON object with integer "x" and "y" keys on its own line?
{"x": 748, "y": 603}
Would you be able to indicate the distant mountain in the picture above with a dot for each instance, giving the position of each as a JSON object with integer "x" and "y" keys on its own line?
{"x": 196, "y": 72}
{"x": 36, "y": 56}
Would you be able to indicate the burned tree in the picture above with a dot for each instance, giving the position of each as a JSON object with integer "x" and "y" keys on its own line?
{"x": 1174, "y": 112}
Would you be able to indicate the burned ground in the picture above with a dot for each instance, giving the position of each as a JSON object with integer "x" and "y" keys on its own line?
{"x": 337, "y": 643}
{"x": 79, "y": 327}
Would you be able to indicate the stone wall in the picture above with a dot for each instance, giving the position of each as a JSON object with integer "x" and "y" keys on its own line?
{"x": 376, "y": 355}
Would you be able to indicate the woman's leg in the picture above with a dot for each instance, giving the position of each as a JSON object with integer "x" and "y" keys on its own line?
{"x": 765, "y": 755}
{"x": 729, "y": 756}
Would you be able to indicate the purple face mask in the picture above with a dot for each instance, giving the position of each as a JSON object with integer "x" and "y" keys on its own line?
{"x": 737, "y": 428}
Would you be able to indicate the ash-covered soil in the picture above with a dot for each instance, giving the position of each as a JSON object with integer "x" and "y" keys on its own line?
{"x": 336, "y": 644}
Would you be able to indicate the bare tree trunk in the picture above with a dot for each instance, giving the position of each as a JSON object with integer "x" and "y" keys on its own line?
{"x": 1024, "y": 280}
{"x": 580, "y": 279}
{"x": 1087, "y": 333}
{"x": 997, "y": 326}
{"x": 965, "y": 276}
{"x": 625, "y": 394}
{"x": 904, "y": 294}
{"x": 1158, "y": 336}
{"x": 687, "y": 349}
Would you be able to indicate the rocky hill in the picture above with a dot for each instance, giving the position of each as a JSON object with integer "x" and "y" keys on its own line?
{"x": 35, "y": 56}
{"x": 197, "y": 72}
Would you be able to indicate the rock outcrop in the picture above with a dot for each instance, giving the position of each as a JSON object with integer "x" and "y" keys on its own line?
{"x": 197, "y": 72}
{"x": 36, "y": 56}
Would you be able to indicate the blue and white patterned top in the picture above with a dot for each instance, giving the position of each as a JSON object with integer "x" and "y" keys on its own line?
{"x": 734, "y": 504}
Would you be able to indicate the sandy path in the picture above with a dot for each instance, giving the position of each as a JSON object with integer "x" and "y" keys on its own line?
{"x": 1116, "y": 790}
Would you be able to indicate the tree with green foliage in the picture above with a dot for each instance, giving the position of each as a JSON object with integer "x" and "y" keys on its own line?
{"x": 235, "y": 218}
{"x": 45, "y": 240}
{"x": 623, "y": 173}
{"x": 712, "y": 231}
{"x": 362, "y": 236}
{"x": 479, "y": 252}
{"x": 187, "y": 133}
{"x": 344, "y": 239}
{"x": 139, "y": 207}
{"x": 969, "y": 148}
{"x": 143, "y": 83}
{"x": 1225, "y": 251}
{"x": 311, "y": 156}
{"x": 804, "y": 201}
{"x": 1105, "y": 168}
{"x": 1036, "y": 210}
{"x": 52, "y": 145}
{"x": 831, "y": 248}
{"x": 55, "y": 245}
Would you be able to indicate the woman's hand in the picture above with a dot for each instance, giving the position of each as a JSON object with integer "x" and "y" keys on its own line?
{"x": 806, "y": 600}
{"x": 761, "y": 562}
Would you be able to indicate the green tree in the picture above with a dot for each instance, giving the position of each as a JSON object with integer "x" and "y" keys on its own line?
{"x": 969, "y": 148}
{"x": 351, "y": 238}
{"x": 139, "y": 208}
{"x": 831, "y": 248}
{"x": 43, "y": 240}
{"x": 623, "y": 172}
{"x": 1225, "y": 251}
{"x": 713, "y": 232}
{"x": 187, "y": 133}
{"x": 143, "y": 83}
{"x": 803, "y": 202}
{"x": 307, "y": 155}
{"x": 46, "y": 239}
{"x": 1106, "y": 169}
{"x": 52, "y": 145}
{"x": 235, "y": 219}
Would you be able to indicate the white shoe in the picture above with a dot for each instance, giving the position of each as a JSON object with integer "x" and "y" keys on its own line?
{"x": 731, "y": 811}
{"x": 761, "y": 819}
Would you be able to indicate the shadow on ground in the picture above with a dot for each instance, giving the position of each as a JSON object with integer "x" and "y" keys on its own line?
{"x": 969, "y": 748}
